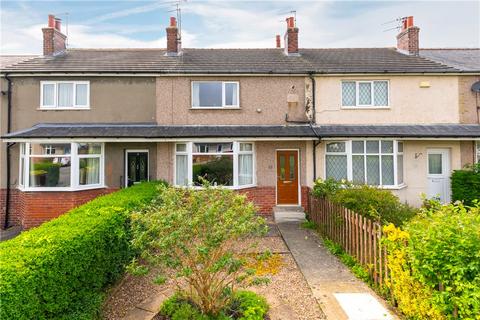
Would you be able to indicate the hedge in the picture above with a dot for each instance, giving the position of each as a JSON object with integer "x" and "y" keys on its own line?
{"x": 466, "y": 184}
{"x": 59, "y": 269}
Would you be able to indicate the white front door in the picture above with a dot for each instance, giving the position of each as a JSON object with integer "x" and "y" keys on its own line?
{"x": 438, "y": 174}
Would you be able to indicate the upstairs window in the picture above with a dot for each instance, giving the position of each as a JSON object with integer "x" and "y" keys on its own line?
{"x": 215, "y": 94}
{"x": 64, "y": 94}
{"x": 365, "y": 93}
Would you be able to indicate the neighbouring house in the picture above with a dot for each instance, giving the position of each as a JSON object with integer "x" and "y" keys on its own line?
{"x": 79, "y": 123}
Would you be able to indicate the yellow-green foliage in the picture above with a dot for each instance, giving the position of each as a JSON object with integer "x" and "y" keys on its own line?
{"x": 414, "y": 300}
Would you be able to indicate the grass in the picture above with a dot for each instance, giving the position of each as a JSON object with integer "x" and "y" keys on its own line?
{"x": 307, "y": 224}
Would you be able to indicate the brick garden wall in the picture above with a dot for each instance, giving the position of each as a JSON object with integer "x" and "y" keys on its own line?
{"x": 264, "y": 198}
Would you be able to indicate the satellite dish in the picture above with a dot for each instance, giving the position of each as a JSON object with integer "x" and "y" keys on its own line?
{"x": 476, "y": 87}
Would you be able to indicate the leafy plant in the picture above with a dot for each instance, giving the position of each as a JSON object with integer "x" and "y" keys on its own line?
{"x": 59, "y": 270}
{"x": 196, "y": 233}
{"x": 466, "y": 184}
{"x": 326, "y": 188}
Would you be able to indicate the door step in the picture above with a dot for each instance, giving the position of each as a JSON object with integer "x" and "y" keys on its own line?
{"x": 288, "y": 209}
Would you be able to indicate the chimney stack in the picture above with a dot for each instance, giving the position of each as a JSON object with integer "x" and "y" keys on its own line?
{"x": 278, "y": 42}
{"x": 291, "y": 38}
{"x": 407, "y": 39}
{"x": 54, "y": 41}
{"x": 174, "y": 46}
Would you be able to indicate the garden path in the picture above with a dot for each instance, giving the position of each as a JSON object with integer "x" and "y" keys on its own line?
{"x": 339, "y": 293}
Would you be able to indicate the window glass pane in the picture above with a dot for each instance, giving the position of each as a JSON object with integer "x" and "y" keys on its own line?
{"x": 400, "y": 168}
{"x": 292, "y": 167}
{"x": 434, "y": 163}
{"x": 22, "y": 171}
{"x": 207, "y": 94}
{"x": 245, "y": 169}
{"x": 358, "y": 146}
{"x": 89, "y": 148}
{"x": 348, "y": 93}
{"x": 373, "y": 170}
{"x": 217, "y": 169}
{"x": 65, "y": 94}
{"x": 89, "y": 171}
{"x": 231, "y": 92}
{"x": 380, "y": 89}
{"x": 387, "y": 171}
{"x": 49, "y": 149}
{"x": 48, "y": 94}
{"x": 364, "y": 93}
{"x": 400, "y": 147}
{"x": 213, "y": 147}
{"x": 81, "y": 94}
{"x": 50, "y": 172}
{"x": 336, "y": 166}
{"x": 181, "y": 169}
{"x": 336, "y": 147}
{"x": 282, "y": 167}
{"x": 372, "y": 146}
{"x": 246, "y": 147}
{"x": 387, "y": 146}
{"x": 358, "y": 169}
{"x": 181, "y": 147}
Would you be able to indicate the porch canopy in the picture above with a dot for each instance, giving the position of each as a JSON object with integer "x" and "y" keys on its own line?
{"x": 153, "y": 132}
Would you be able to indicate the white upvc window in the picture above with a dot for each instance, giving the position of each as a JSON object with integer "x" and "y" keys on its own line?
{"x": 215, "y": 94}
{"x": 64, "y": 94}
{"x": 372, "y": 162}
{"x": 57, "y": 166}
{"x": 230, "y": 164}
{"x": 365, "y": 94}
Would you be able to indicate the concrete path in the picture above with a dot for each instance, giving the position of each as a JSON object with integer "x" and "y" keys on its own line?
{"x": 340, "y": 294}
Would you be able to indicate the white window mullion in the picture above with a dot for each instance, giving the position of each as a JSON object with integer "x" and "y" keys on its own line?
{"x": 236, "y": 149}
{"x": 395, "y": 164}
{"x": 372, "y": 92}
{"x": 365, "y": 162}
{"x": 190, "y": 163}
{"x": 348, "y": 150}
{"x": 75, "y": 166}
{"x": 27, "y": 165}
{"x": 223, "y": 94}
{"x": 357, "y": 93}
{"x": 74, "y": 99}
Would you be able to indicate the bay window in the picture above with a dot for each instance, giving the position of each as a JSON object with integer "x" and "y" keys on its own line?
{"x": 229, "y": 164}
{"x": 215, "y": 94}
{"x": 373, "y": 162}
{"x": 61, "y": 166}
{"x": 365, "y": 93}
{"x": 64, "y": 94}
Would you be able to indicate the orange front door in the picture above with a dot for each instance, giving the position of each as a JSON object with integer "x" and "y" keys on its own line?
{"x": 287, "y": 177}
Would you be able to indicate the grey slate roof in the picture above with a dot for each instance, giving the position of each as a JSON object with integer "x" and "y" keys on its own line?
{"x": 259, "y": 61}
{"x": 151, "y": 131}
{"x": 7, "y": 61}
{"x": 463, "y": 59}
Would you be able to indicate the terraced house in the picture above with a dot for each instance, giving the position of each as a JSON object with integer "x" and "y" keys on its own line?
{"x": 79, "y": 123}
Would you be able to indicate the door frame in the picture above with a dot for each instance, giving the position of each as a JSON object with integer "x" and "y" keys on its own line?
{"x": 299, "y": 200}
{"x": 127, "y": 151}
{"x": 446, "y": 175}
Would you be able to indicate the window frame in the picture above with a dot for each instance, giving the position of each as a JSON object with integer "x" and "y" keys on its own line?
{"x": 349, "y": 153}
{"x": 223, "y": 106}
{"x": 372, "y": 93}
{"x": 74, "y": 102}
{"x": 74, "y": 167}
{"x": 235, "y": 153}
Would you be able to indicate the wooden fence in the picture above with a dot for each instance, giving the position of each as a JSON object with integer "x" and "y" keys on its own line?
{"x": 358, "y": 236}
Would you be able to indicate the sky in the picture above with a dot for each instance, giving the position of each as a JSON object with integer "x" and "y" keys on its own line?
{"x": 237, "y": 24}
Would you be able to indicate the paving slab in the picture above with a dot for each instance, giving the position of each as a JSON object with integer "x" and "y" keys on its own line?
{"x": 325, "y": 274}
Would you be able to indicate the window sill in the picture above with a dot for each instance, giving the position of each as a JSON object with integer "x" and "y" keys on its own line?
{"x": 215, "y": 108}
{"x": 59, "y": 189}
{"x": 63, "y": 109}
{"x": 399, "y": 187}
{"x": 366, "y": 108}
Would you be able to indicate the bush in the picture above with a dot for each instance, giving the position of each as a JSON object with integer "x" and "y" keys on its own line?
{"x": 197, "y": 234}
{"x": 58, "y": 270}
{"x": 466, "y": 184}
{"x": 437, "y": 275}
{"x": 244, "y": 305}
{"x": 368, "y": 201}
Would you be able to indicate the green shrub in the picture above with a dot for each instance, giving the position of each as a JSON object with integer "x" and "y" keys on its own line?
{"x": 58, "y": 270}
{"x": 245, "y": 305}
{"x": 196, "y": 233}
{"x": 466, "y": 184}
{"x": 326, "y": 188}
{"x": 444, "y": 251}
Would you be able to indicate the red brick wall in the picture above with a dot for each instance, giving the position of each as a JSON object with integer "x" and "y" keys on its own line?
{"x": 31, "y": 209}
{"x": 264, "y": 198}
{"x": 408, "y": 40}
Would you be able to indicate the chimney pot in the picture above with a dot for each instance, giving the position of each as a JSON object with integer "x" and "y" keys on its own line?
{"x": 408, "y": 38}
{"x": 58, "y": 24}
{"x": 278, "y": 41}
{"x": 173, "y": 39}
{"x": 51, "y": 21}
{"x": 54, "y": 41}
{"x": 291, "y": 38}
{"x": 173, "y": 22}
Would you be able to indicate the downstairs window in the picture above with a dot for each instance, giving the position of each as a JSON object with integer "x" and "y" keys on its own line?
{"x": 61, "y": 166}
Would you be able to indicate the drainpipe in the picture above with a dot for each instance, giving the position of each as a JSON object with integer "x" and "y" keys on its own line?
{"x": 9, "y": 145}
{"x": 312, "y": 122}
